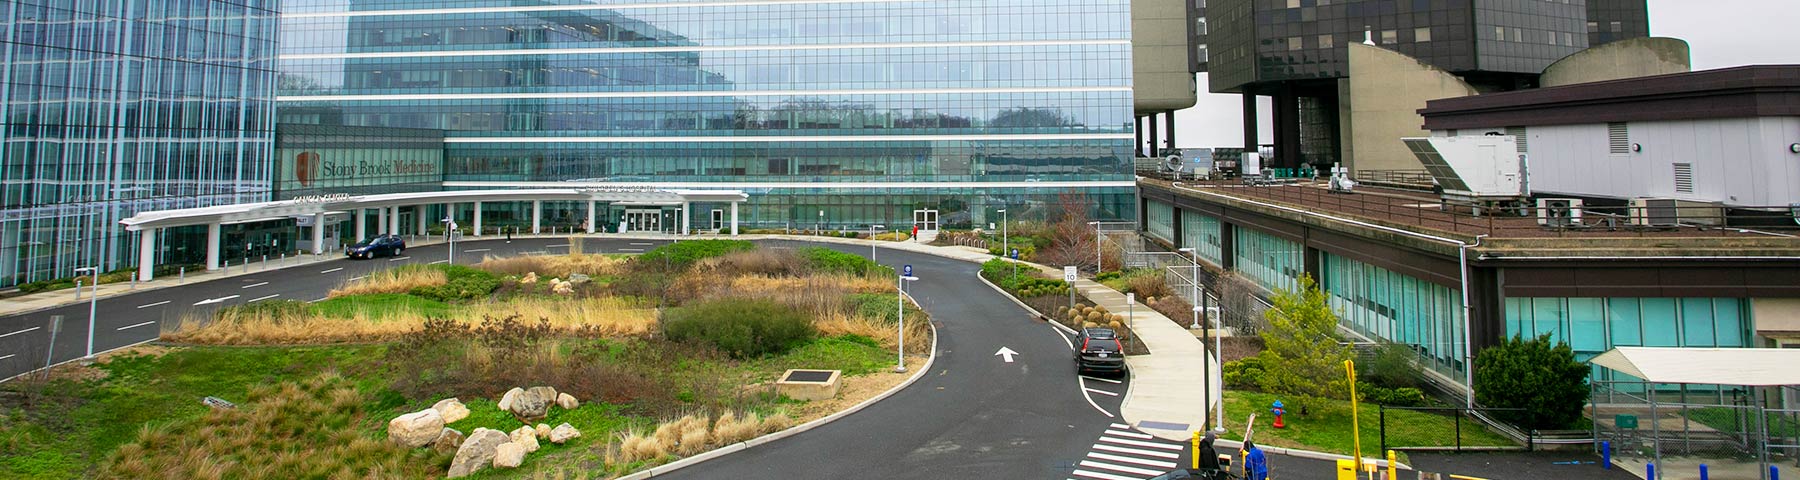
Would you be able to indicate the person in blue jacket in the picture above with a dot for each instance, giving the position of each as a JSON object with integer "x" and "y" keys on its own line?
{"x": 1256, "y": 466}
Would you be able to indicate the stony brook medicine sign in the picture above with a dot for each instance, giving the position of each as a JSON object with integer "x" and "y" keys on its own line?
{"x": 329, "y": 168}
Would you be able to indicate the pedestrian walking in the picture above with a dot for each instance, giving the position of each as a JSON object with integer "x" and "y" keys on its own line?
{"x": 1256, "y": 465}
{"x": 509, "y": 231}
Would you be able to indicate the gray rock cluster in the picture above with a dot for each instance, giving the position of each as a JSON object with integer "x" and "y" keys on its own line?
{"x": 485, "y": 447}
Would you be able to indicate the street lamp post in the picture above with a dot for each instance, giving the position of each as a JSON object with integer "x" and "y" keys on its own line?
{"x": 1195, "y": 280}
{"x": 93, "y": 306}
{"x": 821, "y": 226}
{"x": 1006, "y": 245}
{"x": 450, "y": 238}
{"x": 900, "y": 300}
{"x": 872, "y": 240}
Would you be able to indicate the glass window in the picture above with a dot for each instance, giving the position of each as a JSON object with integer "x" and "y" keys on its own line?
{"x": 1658, "y": 318}
{"x": 1697, "y": 322}
{"x": 1389, "y": 37}
{"x": 1293, "y": 43}
{"x": 1327, "y": 41}
{"x": 1623, "y": 315}
{"x": 1422, "y": 34}
{"x": 1728, "y": 322}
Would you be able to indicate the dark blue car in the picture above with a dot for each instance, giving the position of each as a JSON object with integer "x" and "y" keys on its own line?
{"x": 379, "y": 245}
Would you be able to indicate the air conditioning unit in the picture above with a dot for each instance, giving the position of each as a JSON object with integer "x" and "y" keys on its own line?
{"x": 1669, "y": 212}
{"x": 1559, "y": 212}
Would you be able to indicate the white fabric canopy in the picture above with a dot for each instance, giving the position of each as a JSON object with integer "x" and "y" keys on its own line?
{"x": 1725, "y": 366}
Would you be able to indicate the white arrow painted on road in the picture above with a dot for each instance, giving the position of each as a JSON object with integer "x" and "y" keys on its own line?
{"x": 1006, "y": 353}
{"x": 210, "y": 301}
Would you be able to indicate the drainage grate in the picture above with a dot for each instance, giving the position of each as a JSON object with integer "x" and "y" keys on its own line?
{"x": 814, "y": 376}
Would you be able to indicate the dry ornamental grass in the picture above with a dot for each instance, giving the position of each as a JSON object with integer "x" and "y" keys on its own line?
{"x": 558, "y": 266}
{"x": 393, "y": 280}
{"x": 602, "y": 316}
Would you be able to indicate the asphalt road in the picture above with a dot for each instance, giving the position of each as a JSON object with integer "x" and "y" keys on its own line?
{"x": 973, "y": 415}
{"x": 137, "y": 317}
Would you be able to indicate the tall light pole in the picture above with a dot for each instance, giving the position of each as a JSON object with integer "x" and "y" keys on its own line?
{"x": 872, "y": 240}
{"x": 1205, "y": 367}
{"x": 1098, "y": 266}
{"x": 900, "y": 300}
{"x": 450, "y": 238}
{"x": 1006, "y": 245}
{"x": 93, "y": 306}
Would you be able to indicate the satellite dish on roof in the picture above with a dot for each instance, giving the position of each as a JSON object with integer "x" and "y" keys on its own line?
{"x": 1173, "y": 162}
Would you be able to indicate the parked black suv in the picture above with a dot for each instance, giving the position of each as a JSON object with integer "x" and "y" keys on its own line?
{"x": 379, "y": 245}
{"x": 1099, "y": 350}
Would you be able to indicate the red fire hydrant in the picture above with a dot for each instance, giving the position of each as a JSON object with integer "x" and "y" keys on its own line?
{"x": 1278, "y": 410}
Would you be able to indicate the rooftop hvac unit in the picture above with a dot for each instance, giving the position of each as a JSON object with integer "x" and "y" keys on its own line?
{"x": 1559, "y": 212}
{"x": 1668, "y": 212}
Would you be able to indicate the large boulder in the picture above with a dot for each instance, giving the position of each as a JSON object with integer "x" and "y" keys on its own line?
{"x": 567, "y": 401}
{"x": 526, "y": 437}
{"x": 477, "y": 452}
{"x": 448, "y": 441}
{"x": 563, "y": 433}
{"x": 509, "y": 455}
{"x": 530, "y": 406}
{"x": 417, "y": 429}
{"x": 546, "y": 393}
{"x": 452, "y": 410}
{"x": 506, "y": 400}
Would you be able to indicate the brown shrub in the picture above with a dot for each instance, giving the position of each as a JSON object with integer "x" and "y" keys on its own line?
{"x": 558, "y": 266}
{"x": 588, "y": 317}
{"x": 393, "y": 280}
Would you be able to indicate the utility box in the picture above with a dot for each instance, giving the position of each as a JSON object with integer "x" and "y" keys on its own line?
{"x": 809, "y": 384}
{"x": 1474, "y": 169}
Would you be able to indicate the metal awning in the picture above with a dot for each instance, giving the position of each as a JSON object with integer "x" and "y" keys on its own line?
{"x": 251, "y": 212}
{"x": 1723, "y": 366}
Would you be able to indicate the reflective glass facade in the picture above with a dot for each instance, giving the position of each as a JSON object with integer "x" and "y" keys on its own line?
{"x": 113, "y": 107}
{"x": 1203, "y": 233}
{"x": 1394, "y": 307}
{"x": 953, "y": 106}
{"x": 1273, "y": 262}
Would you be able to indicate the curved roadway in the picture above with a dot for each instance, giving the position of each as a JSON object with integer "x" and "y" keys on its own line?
{"x": 973, "y": 415}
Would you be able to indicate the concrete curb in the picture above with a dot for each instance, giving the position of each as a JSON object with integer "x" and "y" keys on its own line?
{"x": 795, "y": 430}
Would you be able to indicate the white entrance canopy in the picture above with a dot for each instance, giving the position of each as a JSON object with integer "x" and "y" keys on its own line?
{"x": 389, "y": 204}
{"x": 1760, "y": 367}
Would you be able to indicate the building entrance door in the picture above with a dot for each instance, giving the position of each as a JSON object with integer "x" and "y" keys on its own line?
{"x": 642, "y": 220}
{"x": 926, "y": 220}
{"x": 718, "y": 219}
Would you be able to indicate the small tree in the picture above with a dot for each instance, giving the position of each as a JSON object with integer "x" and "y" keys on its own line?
{"x": 1537, "y": 375}
{"x": 1301, "y": 353}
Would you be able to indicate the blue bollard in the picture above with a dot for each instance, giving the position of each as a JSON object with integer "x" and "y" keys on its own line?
{"x": 1703, "y": 475}
{"x": 1650, "y": 471}
{"x": 1774, "y": 473}
{"x": 1606, "y": 455}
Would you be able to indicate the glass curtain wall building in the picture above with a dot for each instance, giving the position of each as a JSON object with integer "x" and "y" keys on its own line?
{"x": 113, "y": 107}
{"x": 862, "y": 110}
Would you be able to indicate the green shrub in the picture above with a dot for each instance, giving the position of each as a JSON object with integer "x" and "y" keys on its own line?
{"x": 1027, "y": 252}
{"x": 465, "y": 283}
{"x": 860, "y": 340}
{"x": 1391, "y": 367}
{"x": 1393, "y": 397}
{"x": 684, "y": 253}
{"x": 1104, "y": 276}
{"x": 1536, "y": 375}
{"x": 744, "y": 328}
{"x": 823, "y": 259}
{"x": 1246, "y": 373}
{"x": 47, "y": 285}
{"x": 876, "y": 305}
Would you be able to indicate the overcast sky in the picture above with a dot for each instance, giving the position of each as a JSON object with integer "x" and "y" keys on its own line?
{"x": 1720, "y": 33}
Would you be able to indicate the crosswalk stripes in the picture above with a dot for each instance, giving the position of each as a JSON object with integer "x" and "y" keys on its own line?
{"x": 1123, "y": 454}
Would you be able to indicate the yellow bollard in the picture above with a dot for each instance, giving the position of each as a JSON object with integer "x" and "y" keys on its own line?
{"x": 1196, "y": 454}
{"x": 1346, "y": 469}
{"x": 1393, "y": 471}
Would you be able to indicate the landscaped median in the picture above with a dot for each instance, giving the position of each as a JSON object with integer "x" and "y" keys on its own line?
{"x": 663, "y": 355}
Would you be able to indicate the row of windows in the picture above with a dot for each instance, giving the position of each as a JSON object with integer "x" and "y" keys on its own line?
{"x": 714, "y": 25}
{"x": 1397, "y": 308}
{"x": 838, "y": 161}
{"x": 1159, "y": 220}
{"x": 1202, "y": 233}
{"x": 1273, "y": 262}
{"x": 994, "y": 66}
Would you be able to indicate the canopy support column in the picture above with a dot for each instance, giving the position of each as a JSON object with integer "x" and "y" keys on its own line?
{"x": 381, "y": 220}
{"x": 685, "y": 218}
{"x": 477, "y": 219}
{"x": 212, "y": 246}
{"x": 147, "y": 254}
{"x": 318, "y": 233}
{"x": 362, "y": 225}
{"x": 734, "y": 222}
{"x": 590, "y": 215}
{"x": 537, "y": 215}
{"x": 419, "y": 219}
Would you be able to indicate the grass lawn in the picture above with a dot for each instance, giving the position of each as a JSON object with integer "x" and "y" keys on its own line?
{"x": 1328, "y": 429}
{"x": 380, "y": 306}
{"x": 1732, "y": 421}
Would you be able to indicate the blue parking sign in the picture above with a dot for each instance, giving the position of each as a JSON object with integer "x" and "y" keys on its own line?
{"x": 906, "y": 271}
{"x": 1015, "y": 254}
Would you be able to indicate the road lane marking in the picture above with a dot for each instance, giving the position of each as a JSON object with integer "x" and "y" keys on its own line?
{"x": 257, "y": 299}
{"x": 396, "y": 259}
{"x": 18, "y": 332}
{"x": 359, "y": 278}
{"x": 258, "y": 284}
{"x": 1134, "y": 451}
{"x": 317, "y": 300}
{"x": 1107, "y": 380}
{"x": 477, "y": 250}
{"x": 1104, "y": 476}
{"x": 1140, "y": 443}
{"x": 1090, "y": 398}
{"x": 1120, "y": 426}
{"x": 438, "y": 262}
{"x": 214, "y": 300}
{"x": 148, "y": 305}
{"x": 1121, "y": 458}
{"x": 557, "y": 245}
{"x": 1135, "y": 435}
{"x": 1102, "y": 392}
{"x": 642, "y": 243}
{"x": 10, "y": 355}
{"x": 1119, "y": 468}
{"x": 332, "y": 270}
{"x": 631, "y": 249}
{"x": 128, "y": 327}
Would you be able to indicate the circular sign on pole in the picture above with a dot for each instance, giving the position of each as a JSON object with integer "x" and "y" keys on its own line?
{"x": 906, "y": 271}
{"x": 1015, "y": 254}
